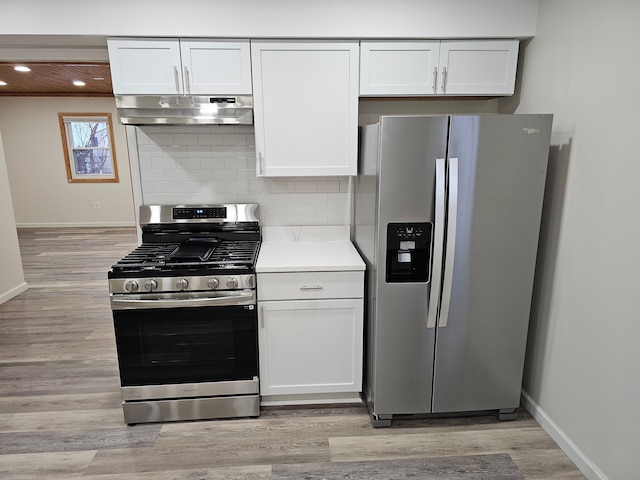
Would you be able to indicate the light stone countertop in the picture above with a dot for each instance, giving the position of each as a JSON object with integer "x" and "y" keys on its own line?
{"x": 307, "y": 249}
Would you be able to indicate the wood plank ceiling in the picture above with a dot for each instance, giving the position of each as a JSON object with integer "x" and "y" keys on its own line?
{"x": 56, "y": 79}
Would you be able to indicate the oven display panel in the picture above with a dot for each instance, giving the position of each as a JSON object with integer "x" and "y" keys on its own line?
{"x": 191, "y": 213}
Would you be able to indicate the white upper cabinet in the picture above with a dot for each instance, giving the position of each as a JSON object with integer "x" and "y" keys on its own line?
{"x": 399, "y": 68}
{"x": 174, "y": 66}
{"x": 305, "y": 107}
{"x": 482, "y": 67}
{"x": 448, "y": 67}
{"x": 218, "y": 67}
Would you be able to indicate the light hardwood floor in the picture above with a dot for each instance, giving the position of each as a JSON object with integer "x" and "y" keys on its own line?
{"x": 60, "y": 414}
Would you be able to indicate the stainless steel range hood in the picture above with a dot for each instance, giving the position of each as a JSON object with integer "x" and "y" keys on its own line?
{"x": 185, "y": 109}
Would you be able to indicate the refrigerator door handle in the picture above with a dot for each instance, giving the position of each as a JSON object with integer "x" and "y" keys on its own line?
{"x": 438, "y": 241}
{"x": 451, "y": 242}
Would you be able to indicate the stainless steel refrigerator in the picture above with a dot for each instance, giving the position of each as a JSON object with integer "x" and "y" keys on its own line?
{"x": 447, "y": 217}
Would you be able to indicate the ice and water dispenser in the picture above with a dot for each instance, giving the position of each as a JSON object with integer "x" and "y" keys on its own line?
{"x": 408, "y": 252}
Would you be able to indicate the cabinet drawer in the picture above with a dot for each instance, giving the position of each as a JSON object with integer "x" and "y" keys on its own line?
{"x": 310, "y": 285}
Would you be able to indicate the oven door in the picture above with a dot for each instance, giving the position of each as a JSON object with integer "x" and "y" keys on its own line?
{"x": 185, "y": 338}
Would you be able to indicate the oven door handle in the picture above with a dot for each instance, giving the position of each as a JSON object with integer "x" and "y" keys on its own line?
{"x": 132, "y": 302}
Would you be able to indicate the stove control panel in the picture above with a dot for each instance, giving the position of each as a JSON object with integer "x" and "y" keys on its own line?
{"x": 198, "y": 213}
{"x": 143, "y": 286}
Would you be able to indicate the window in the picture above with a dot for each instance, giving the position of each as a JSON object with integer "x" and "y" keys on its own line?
{"x": 87, "y": 140}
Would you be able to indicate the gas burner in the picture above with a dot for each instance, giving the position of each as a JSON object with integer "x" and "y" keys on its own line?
{"x": 180, "y": 241}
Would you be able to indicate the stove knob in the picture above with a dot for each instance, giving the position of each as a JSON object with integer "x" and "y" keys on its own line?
{"x": 182, "y": 284}
{"x": 151, "y": 285}
{"x": 131, "y": 286}
{"x": 213, "y": 282}
{"x": 232, "y": 282}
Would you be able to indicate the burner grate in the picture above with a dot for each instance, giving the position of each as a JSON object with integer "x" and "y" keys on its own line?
{"x": 148, "y": 254}
{"x": 220, "y": 255}
{"x": 235, "y": 252}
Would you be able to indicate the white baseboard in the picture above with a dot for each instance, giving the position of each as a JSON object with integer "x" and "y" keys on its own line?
{"x": 76, "y": 225}
{"x": 8, "y": 295}
{"x": 577, "y": 456}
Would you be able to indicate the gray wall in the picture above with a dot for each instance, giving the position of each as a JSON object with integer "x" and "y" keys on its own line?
{"x": 42, "y": 196}
{"x": 583, "y": 367}
{"x": 12, "y": 277}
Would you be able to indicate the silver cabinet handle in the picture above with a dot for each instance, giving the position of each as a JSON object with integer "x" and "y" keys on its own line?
{"x": 311, "y": 287}
{"x": 187, "y": 80}
{"x": 177, "y": 80}
{"x": 444, "y": 79}
{"x": 261, "y": 164}
{"x": 451, "y": 242}
{"x": 435, "y": 79}
{"x": 438, "y": 239}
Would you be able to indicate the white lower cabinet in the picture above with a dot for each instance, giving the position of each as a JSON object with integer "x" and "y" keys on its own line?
{"x": 311, "y": 349}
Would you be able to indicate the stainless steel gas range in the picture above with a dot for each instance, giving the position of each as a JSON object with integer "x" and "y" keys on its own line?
{"x": 185, "y": 317}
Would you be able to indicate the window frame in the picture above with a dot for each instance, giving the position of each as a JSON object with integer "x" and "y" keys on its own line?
{"x": 67, "y": 145}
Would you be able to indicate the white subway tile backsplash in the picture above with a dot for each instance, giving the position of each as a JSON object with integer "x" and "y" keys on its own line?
{"x": 163, "y": 163}
{"x": 185, "y": 139}
{"x": 306, "y": 186}
{"x": 188, "y": 163}
{"x": 212, "y": 163}
{"x": 246, "y": 174}
{"x": 217, "y": 164}
{"x": 151, "y": 175}
{"x": 329, "y": 186}
{"x": 306, "y": 209}
{"x": 209, "y": 139}
{"x": 178, "y": 175}
{"x": 155, "y": 198}
{"x": 164, "y": 187}
{"x": 234, "y": 139}
{"x": 145, "y": 163}
{"x": 198, "y": 151}
{"x": 328, "y": 209}
{"x": 236, "y": 162}
{"x": 150, "y": 149}
{"x": 227, "y": 151}
{"x": 161, "y": 139}
{"x": 149, "y": 187}
{"x": 227, "y": 174}
{"x": 189, "y": 187}
{"x": 201, "y": 175}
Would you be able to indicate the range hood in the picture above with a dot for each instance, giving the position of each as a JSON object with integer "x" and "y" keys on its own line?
{"x": 185, "y": 109}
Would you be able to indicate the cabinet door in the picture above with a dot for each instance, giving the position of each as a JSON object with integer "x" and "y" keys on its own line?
{"x": 216, "y": 67}
{"x": 305, "y": 107}
{"x": 147, "y": 67}
{"x": 310, "y": 346}
{"x": 482, "y": 67}
{"x": 398, "y": 68}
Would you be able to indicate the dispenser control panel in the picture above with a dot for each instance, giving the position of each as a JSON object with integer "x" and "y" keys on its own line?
{"x": 408, "y": 252}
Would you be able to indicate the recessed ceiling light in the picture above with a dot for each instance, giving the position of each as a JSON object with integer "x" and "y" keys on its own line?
{"x": 2, "y": 83}
{"x": 21, "y": 68}
{"x": 98, "y": 78}
{"x": 79, "y": 83}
